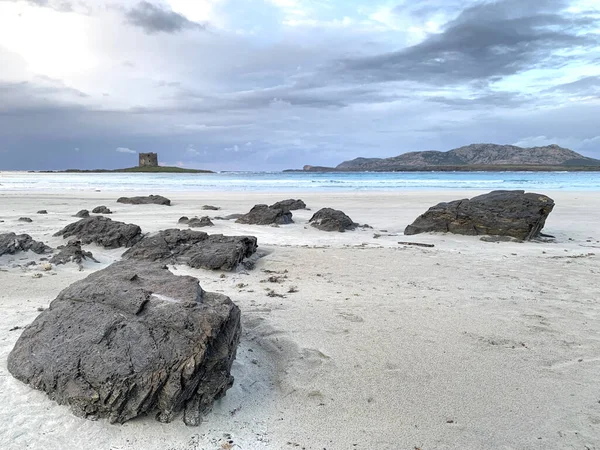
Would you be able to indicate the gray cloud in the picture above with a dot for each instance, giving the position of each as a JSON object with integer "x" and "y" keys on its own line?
{"x": 58, "y": 5}
{"x": 155, "y": 19}
{"x": 487, "y": 40}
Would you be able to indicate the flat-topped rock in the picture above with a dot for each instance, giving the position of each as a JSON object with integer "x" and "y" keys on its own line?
{"x": 42, "y": 211}
{"x": 194, "y": 248}
{"x": 101, "y": 210}
{"x": 265, "y": 215}
{"x": 130, "y": 340}
{"x": 11, "y": 243}
{"x": 210, "y": 208}
{"x": 147, "y": 200}
{"x": 500, "y": 213}
{"x": 103, "y": 231}
{"x": 289, "y": 204}
{"x": 328, "y": 219}
{"x": 25, "y": 219}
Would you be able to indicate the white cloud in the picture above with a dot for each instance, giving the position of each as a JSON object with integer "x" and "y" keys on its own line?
{"x": 125, "y": 150}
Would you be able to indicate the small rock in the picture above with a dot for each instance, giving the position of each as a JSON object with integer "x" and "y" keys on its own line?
{"x": 25, "y": 219}
{"x": 328, "y": 219}
{"x": 101, "y": 210}
{"x": 210, "y": 208}
{"x": 42, "y": 211}
{"x": 83, "y": 214}
{"x": 200, "y": 222}
{"x": 183, "y": 219}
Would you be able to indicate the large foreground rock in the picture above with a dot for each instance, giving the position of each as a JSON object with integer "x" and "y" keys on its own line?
{"x": 289, "y": 204}
{"x": 194, "y": 248}
{"x": 11, "y": 243}
{"x": 502, "y": 213}
{"x": 129, "y": 340}
{"x": 328, "y": 219}
{"x": 103, "y": 231}
{"x": 265, "y": 215}
{"x": 150, "y": 199}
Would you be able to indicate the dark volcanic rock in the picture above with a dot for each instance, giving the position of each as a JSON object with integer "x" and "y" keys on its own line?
{"x": 289, "y": 204}
{"x": 265, "y": 215}
{"x": 183, "y": 219}
{"x": 328, "y": 219}
{"x": 194, "y": 248}
{"x": 101, "y": 210}
{"x": 200, "y": 222}
{"x": 502, "y": 213}
{"x": 25, "y": 219}
{"x": 83, "y": 214}
{"x": 130, "y": 340}
{"x": 150, "y": 199}
{"x": 210, "y": 208}
{"x": 42, "y": 211}
{"x": 103, "y": 231}
{"x": 72, "y": 252}
{"x": 11, "y": 243}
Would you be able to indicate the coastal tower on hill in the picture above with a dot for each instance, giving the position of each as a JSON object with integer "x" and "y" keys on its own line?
{"x": 148, "y": 160}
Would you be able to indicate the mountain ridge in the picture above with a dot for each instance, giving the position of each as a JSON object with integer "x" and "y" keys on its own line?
{"x": 471, "y": 156}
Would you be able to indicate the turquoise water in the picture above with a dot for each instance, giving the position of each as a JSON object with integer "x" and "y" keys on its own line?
{"x": 299, "y": 181}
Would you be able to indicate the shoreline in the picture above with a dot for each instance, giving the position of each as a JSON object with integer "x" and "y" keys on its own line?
{"x": 468, "y": 344}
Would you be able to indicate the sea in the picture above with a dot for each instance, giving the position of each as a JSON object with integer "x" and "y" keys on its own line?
{"x": 298, "y": 181}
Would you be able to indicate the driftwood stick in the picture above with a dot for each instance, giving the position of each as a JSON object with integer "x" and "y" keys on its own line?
{"x": 417, "y": 244}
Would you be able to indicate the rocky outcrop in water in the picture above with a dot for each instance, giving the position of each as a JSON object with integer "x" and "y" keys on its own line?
{"x": 129, "y": 340}
{"x": 103, "y": 231}
{"x": 503, "y": 213}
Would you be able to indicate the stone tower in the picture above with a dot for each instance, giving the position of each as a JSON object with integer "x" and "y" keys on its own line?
{"x": 148, "y": 160}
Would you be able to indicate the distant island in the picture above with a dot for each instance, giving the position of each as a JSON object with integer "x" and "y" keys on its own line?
{"x": 156, "y": 169}
{"x": 148, "y": 163}
{"x": 474, "y": 157}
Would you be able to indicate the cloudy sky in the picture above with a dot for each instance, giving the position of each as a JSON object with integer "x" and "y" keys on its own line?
{"x": 275, "y": 84}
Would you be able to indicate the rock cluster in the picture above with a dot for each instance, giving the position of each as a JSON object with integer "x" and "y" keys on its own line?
{"x": 11, "y": 243}
{"x": 72, "y": 252}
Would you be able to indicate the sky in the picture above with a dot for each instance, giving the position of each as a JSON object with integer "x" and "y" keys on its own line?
{"x": 277, "y": 84}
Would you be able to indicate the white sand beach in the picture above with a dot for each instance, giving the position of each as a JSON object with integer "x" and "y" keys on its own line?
{"x": 466, "y": 345}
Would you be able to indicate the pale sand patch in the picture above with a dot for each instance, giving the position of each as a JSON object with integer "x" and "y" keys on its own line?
{"x": 468, "y": 345}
